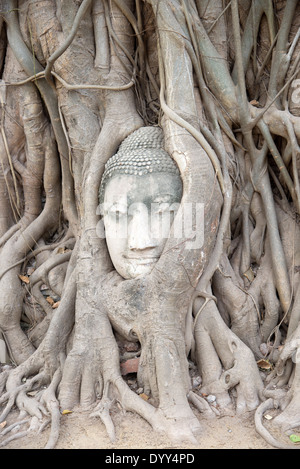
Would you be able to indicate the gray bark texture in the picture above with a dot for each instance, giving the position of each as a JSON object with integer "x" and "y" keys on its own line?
{"x": 221, "y": 78}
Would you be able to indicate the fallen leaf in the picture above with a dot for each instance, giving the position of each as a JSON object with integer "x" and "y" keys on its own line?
{"x": 56, "y": 305}
{"x": 63, "y": 250}
{"x": 295, "y": 438}
{"x": 144, "y": 396}
{"x": 24, "y": 278}
{"x": 66, "y": 411}
{"x": 2, "y": 425}
{"x": 264, "y": 364}
{"x": 50, "y": 300}
{"x": 249, "y": 274}
{"x": 254, "y": 102}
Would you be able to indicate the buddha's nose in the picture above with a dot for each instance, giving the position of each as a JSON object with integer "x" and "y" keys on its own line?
{"x": 139, "y": 231}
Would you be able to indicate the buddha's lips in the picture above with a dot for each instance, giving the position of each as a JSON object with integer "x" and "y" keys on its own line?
{"x": 142, "y": 260}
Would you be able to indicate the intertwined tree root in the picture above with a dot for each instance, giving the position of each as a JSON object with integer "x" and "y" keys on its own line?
{"x": 221, "y": 83}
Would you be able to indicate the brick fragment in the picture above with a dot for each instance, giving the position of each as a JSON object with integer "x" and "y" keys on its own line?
{"x": 130, "y": 366}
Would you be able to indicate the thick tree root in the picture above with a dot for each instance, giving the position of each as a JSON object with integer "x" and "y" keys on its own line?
{"x": 225, "y": 362}
{"x": 178, "y": 430}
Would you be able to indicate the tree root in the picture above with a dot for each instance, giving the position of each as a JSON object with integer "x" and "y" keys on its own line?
{"x": 179, "y": 429}
{"x": 41, "y": 409}
{"x": 268, "y": 405}
{"x": 16, "y": 392}
{"x": 284, "y": 372}
{"x": 13, "y": 425}
{"x": 34, "y": 426}
{"x": 225, "y": 356}
{"x": 225, "y": 362}
{"x": 102, "y": 411}
{"x": 52, "y": 405}
{"x": 42, "y": 373}
{"x": 202, "y": 405}
{"x": 14, "y": 437}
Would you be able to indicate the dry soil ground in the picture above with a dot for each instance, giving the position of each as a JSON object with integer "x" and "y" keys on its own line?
{"x": 80, "y": 431}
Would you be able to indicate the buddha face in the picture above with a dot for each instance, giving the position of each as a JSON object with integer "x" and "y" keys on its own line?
{"x": 138, "y": 213}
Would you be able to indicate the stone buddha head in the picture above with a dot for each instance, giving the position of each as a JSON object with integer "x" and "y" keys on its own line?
{"x": 140, "y": 193}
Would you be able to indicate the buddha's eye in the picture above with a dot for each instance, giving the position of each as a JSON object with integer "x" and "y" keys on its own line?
{"x": 117, "y": 211}
{"x": 160, "y": 208}
{"x": 164, "y": 207}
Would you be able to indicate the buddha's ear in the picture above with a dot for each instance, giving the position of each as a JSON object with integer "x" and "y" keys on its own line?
{"x": 100, "y": 229}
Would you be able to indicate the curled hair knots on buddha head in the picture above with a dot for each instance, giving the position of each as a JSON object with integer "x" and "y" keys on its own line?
{"x": 142, "y": 152}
